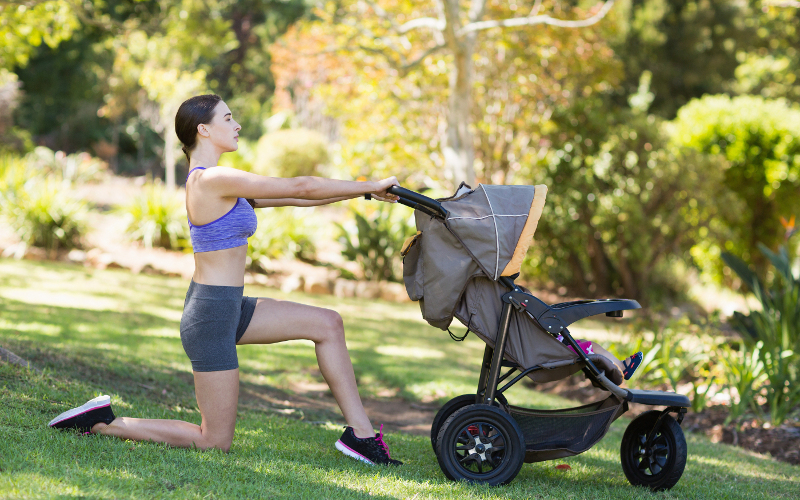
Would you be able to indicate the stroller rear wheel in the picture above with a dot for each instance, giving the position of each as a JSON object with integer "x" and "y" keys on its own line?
{"x": 481, "y": 444}
{"x": 660, "y": 465}
{"x": 453, "y": 406}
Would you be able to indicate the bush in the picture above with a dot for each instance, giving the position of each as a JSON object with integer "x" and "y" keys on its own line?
{"x": 291, "y": 153}
{"x": 283, "y": 232}
{"x": 373, "y": 240}
{"x": 157, "y": 217}
{"x": 42, "y": 212}
{"x": 77, "y": 168}
{"x": 760, "y": 141}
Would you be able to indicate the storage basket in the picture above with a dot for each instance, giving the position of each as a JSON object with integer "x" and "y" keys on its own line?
{"x": 551, "y": 434}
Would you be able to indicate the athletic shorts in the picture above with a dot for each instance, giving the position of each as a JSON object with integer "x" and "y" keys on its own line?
{"x": 214, "y": 319}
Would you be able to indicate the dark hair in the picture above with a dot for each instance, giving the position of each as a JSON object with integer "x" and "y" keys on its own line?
{"x": 199, "y": 109}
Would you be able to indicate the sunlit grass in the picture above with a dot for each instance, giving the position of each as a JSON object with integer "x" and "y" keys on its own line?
{"x": 132, "y": 352}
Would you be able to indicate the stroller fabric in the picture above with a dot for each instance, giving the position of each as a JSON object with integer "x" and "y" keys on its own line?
{"x": 452, "y": 266}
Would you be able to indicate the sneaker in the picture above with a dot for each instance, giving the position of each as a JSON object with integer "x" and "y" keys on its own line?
{"x": 631, "y": 364}
{"x": 84, "y": 417}
{"x": 372, "y": 450}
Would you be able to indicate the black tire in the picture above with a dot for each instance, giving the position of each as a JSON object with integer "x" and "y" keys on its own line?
{"x": 453, "y": 406}
{"x": 661, "y": 466}
{"x": 481, "y": 444}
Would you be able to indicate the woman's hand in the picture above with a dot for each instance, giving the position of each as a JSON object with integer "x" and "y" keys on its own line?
{"x": 381, "y": 192}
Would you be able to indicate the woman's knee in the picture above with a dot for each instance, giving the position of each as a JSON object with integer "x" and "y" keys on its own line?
{"x": 331, "y": 326}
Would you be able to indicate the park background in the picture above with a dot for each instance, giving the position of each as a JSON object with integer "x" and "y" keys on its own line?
{"x": 668, "y": 133}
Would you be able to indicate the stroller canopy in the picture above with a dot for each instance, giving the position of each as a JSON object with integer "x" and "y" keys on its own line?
{"x": 487, "y": 233}
{"x": 496, "y": 224}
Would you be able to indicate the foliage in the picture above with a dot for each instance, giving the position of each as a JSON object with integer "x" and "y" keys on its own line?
{"x": 41, "y": 209}
{"x": 121, "y": 70}
{"x": 283, "y": 232}
{"x": 775, "y": 328}
{"x": 689, "y": 46}
{"x": 769, "y": 67}
{"x": 760, "y": 139}
{"x": 291, "y": 153}
{"x": 744, "y": 374}
{"x": 157, "y": 217}
{"x": 624, "y": 206}
{"x": 77, "y": 168}
{"x": 373, "y": 240}
{"x": 27, "y": 25}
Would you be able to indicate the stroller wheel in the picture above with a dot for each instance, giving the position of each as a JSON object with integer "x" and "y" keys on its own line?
{"x": 659, "y": 466}
{"x": 453, "y": 406}
{"x": 481, "y": 444}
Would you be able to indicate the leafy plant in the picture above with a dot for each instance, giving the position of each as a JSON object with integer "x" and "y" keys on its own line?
{"x": 157, "y": 217}
{"x": 283, "y": 232}
{"x": 75, "y": 168}
{"x": 775, "y": 328}
{"x": 374, "y": 242}
{"x": 744, "y": 371}
{"x": 42, "y": 211}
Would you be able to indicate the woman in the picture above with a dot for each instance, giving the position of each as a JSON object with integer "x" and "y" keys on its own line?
{"x": 216, "y": 317}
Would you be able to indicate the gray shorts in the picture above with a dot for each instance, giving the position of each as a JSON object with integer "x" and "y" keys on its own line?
{"x": 214, "y": 319}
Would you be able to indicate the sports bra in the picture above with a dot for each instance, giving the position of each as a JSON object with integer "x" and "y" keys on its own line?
{"x": 229, "y": 231}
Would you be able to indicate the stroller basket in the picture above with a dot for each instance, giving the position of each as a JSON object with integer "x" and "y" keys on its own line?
{"x": 561, "y": 433}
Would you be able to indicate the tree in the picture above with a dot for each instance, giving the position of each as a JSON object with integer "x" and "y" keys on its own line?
{"x": 404, "y": 35}
{"x": 25, "y": 25}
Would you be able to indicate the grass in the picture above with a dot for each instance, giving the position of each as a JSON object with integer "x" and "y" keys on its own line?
{"x": 111, "y": 332}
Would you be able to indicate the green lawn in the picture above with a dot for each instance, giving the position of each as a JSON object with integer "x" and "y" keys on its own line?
{"x": 110, "y": 332}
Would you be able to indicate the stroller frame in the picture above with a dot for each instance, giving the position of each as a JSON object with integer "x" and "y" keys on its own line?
{"x": 466, "y": 431}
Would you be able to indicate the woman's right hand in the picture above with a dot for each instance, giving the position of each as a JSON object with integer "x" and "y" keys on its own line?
{"x": 381, "y": 192}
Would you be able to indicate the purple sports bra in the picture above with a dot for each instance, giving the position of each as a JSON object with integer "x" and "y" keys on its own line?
{"x": 229, "y": 231}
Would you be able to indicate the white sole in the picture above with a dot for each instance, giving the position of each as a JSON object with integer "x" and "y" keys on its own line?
{"x": 98, "y": 402}
{"x": 353, "y": 454}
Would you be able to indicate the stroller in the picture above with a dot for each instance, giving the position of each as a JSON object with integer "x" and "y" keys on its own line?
{"x": 462, "y": 263}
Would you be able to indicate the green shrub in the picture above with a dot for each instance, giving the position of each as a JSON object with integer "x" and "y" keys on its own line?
{"x": 291, "y": 153}
{"x": 42, "y": 211}
{"x": 373, "y": 240}
{"x": 157, "y": 217}
{"x": 77, "y": 168}
{"x": 744, "y": 373}
{"x": 760, "y": 141}
{"x": 282, "y": 232}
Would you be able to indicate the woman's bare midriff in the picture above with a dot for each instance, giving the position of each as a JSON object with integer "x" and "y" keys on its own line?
{"x": 220, "y": 267}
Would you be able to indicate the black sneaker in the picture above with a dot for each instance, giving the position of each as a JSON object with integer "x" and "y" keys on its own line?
{"x": 371, "y": 450}
{"x": 84, "y": 417}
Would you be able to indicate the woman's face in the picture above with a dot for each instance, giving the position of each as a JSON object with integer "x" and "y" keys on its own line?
{"x": 223, "y": 131}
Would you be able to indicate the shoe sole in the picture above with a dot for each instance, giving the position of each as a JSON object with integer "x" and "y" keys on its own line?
{"x": 352, "y": 453}
{"x": 98, "y": 402}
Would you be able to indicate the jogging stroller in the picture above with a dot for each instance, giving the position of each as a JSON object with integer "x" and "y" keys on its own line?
{"x": 462, "y": 263}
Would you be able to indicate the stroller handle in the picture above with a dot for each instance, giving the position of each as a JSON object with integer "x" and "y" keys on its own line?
{"x": 418, "y": 201}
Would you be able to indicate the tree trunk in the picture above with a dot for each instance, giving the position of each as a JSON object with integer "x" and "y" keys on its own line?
{"x": 458, "y": 147}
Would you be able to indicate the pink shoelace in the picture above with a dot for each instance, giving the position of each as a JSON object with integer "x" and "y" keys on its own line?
{"x": 380, "y": 440}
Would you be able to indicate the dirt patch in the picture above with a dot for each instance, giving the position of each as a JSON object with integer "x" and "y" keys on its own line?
{"x": 782, "y": 442}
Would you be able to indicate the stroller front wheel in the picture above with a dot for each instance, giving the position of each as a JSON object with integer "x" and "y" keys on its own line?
{"x": 660, "y": 465}
{"x": 481, "y": 444}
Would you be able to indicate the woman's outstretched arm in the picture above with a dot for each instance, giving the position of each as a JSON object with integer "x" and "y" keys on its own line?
{"x": 230, "y": 182}
{"x": 297, "y": 202}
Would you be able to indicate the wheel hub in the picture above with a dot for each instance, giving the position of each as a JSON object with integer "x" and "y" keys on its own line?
{"x": 480, "y": 448}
